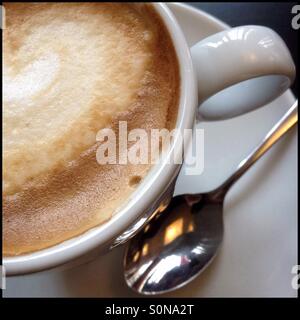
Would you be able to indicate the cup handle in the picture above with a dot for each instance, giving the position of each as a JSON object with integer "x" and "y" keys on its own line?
{"x": 239, "y": 70}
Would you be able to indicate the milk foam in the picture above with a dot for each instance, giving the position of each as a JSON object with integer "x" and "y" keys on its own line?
{"x": 37, "y": 76}
{"x": 71, "y": 69}
{"x": 63, "y": 83}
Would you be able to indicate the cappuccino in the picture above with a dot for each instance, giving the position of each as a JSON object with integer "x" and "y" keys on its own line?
{"x": 70, "y": 70}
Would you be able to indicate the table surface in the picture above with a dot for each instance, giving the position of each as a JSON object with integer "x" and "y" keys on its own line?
{"x": 277, "y": 16}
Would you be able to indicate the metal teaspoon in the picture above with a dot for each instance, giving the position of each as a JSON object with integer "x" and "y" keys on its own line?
{"x": 182, "y": 239}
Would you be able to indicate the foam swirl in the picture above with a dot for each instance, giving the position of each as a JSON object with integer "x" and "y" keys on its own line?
{"x": 63, "y": 81}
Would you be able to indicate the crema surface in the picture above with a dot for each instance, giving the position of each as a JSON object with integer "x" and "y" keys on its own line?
{"x": 69, "y": 70}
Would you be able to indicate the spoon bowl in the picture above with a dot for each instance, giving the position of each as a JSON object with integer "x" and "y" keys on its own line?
{"x": 177, "y": 245}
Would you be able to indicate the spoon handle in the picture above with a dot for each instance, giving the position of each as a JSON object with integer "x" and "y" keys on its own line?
{"x": 279, "y": 129}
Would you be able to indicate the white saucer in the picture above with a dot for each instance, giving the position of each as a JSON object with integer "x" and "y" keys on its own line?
{"x": 260, "y": 244}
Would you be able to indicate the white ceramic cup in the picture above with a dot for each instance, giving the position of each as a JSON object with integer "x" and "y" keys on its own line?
{"x": 249, "y": 64}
